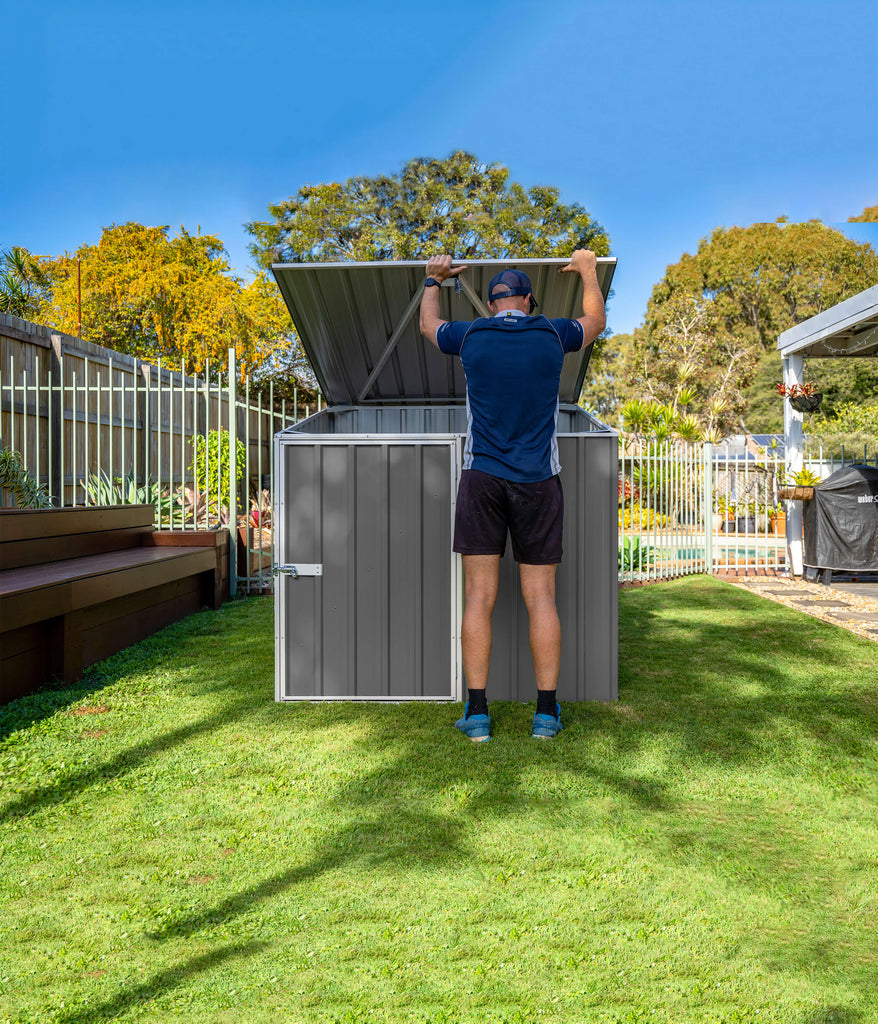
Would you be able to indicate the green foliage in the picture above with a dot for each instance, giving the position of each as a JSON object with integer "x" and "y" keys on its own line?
{"x": 852, "y": 417}
{"x": 210, "y": 469}
{"x": 100, "y": 489}
{"x": 155, "y": 296}
{"x": 457, "y": 205}
{"x": 841, "y": 381}
{"x": 761, "y": 280}
{"x": 763, "y": 412}
{"x": 805, "y": 478}
{"x": 653, "y": 421}
{"x": 605, "y": 388}
{"x": 23, "y": 283}
{"x": 853, "y": 427}
{"x": 16, "y": 479}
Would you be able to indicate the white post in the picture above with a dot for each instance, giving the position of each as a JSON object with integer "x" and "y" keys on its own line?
{"x": 793, "y": 373}
{"x": 233, "y": 474}
{"x": 707, "y": 450}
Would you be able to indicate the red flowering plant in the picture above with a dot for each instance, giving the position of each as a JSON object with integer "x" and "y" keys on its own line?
{"x": 796, "y": 390}
{"x": 627, "y": 493}
{"x": 802, "y": 397}
{"x": 260, "y": 511}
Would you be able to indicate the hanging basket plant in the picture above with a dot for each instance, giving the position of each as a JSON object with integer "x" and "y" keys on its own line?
{"x": 796, "y": 493}
{"x": 803, "y": 397}
{"x": 807, "y": 403}
{"x": 804, "y": 483}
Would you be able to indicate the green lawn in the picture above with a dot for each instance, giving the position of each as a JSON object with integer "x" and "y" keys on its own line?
{"x": 703, "y": 851}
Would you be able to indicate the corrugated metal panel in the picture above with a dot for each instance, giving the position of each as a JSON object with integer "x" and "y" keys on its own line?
{"x": 379, "y": 622}
{"x": 449, "y": 419}
{"x": 345, "y": 314}
{"x": 586, "y": 586}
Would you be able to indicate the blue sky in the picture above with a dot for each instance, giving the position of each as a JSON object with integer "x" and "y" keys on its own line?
{"x": 664, "y": 119}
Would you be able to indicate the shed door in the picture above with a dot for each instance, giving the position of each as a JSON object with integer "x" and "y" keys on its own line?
{"x": 381, "y": 622}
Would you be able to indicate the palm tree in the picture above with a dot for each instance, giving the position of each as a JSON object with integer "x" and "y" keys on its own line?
{"x": 636, "y": 416}
{"x": 22, "y": 283}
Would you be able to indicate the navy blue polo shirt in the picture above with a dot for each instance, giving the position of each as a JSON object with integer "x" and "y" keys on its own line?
{"x": 513, "y": 366}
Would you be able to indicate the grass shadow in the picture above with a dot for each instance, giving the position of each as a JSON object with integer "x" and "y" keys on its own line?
{"x": 72, "y": 785}
{"x": 141, "y": 995}
{"x": 702, "y": 715}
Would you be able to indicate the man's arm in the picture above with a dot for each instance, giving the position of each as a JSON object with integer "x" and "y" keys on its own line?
{"x": 594, "y": 314}
{"x": 438, "y": 267}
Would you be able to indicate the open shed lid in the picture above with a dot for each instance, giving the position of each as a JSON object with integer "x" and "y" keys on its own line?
{"x": 358, "y": 324}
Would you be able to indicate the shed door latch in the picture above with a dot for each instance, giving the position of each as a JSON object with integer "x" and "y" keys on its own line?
{"x": 299, "y": 569}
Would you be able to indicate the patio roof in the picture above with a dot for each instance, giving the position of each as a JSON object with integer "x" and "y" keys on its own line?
{"x": 848, "y": 329}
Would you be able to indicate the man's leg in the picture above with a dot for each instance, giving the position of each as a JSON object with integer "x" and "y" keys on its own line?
{"x": 538, "y": 591}
{"x": 481, "y": 574}
{"x": 481, "y": 578}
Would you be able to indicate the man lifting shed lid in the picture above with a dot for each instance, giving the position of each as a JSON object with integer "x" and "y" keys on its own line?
{"x": 510, "y": 483}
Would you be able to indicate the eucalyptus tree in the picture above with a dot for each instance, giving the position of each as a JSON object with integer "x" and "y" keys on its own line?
{"x": 713, "y": 320}
{"x": 456, "y": 205}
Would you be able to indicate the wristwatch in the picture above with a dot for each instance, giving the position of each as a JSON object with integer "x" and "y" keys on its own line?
{"x": 431, "y": 282}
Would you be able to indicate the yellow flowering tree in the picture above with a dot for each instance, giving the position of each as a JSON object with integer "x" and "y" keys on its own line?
{"x": 155, "y": 296}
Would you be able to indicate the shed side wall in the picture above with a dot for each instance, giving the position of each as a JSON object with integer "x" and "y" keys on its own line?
{"x": 586, "y": 586}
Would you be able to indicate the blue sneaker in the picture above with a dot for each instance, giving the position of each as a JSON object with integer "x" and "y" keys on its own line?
{"x": 547, "y": 727}
{"x": 476, "y": 727}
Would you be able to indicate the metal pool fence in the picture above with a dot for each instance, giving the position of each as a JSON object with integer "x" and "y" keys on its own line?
{"x": 692, "y": 508}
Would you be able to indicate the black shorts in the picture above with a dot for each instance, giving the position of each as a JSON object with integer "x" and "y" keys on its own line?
{"x": 488, "y": 507}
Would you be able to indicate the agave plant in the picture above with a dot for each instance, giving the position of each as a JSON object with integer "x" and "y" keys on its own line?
{"x": 100, "y": 489}
{"x": 200, "y": 508}
{"x": 634, "y": 556}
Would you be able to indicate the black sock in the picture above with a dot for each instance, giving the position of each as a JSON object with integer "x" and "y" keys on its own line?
{"x": 546, "y": 703}
{"x": 478, "y": 702}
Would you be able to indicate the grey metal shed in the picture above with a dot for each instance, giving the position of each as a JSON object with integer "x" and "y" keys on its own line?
{"x": 368, "y": 600}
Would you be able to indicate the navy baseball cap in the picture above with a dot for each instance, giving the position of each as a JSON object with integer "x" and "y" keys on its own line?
{"x": 513, "y": 282}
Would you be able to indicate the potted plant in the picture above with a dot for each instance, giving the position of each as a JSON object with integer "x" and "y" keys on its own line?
{"x": 805, "y": 482}
{"x": 802, "y": 397}
{"x": 778, "y": 520}
{"x": 741, "y": 517}
{"x": 726, "y": 513}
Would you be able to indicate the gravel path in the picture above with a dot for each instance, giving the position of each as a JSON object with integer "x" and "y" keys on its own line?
{"x": 857, "y": 613}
